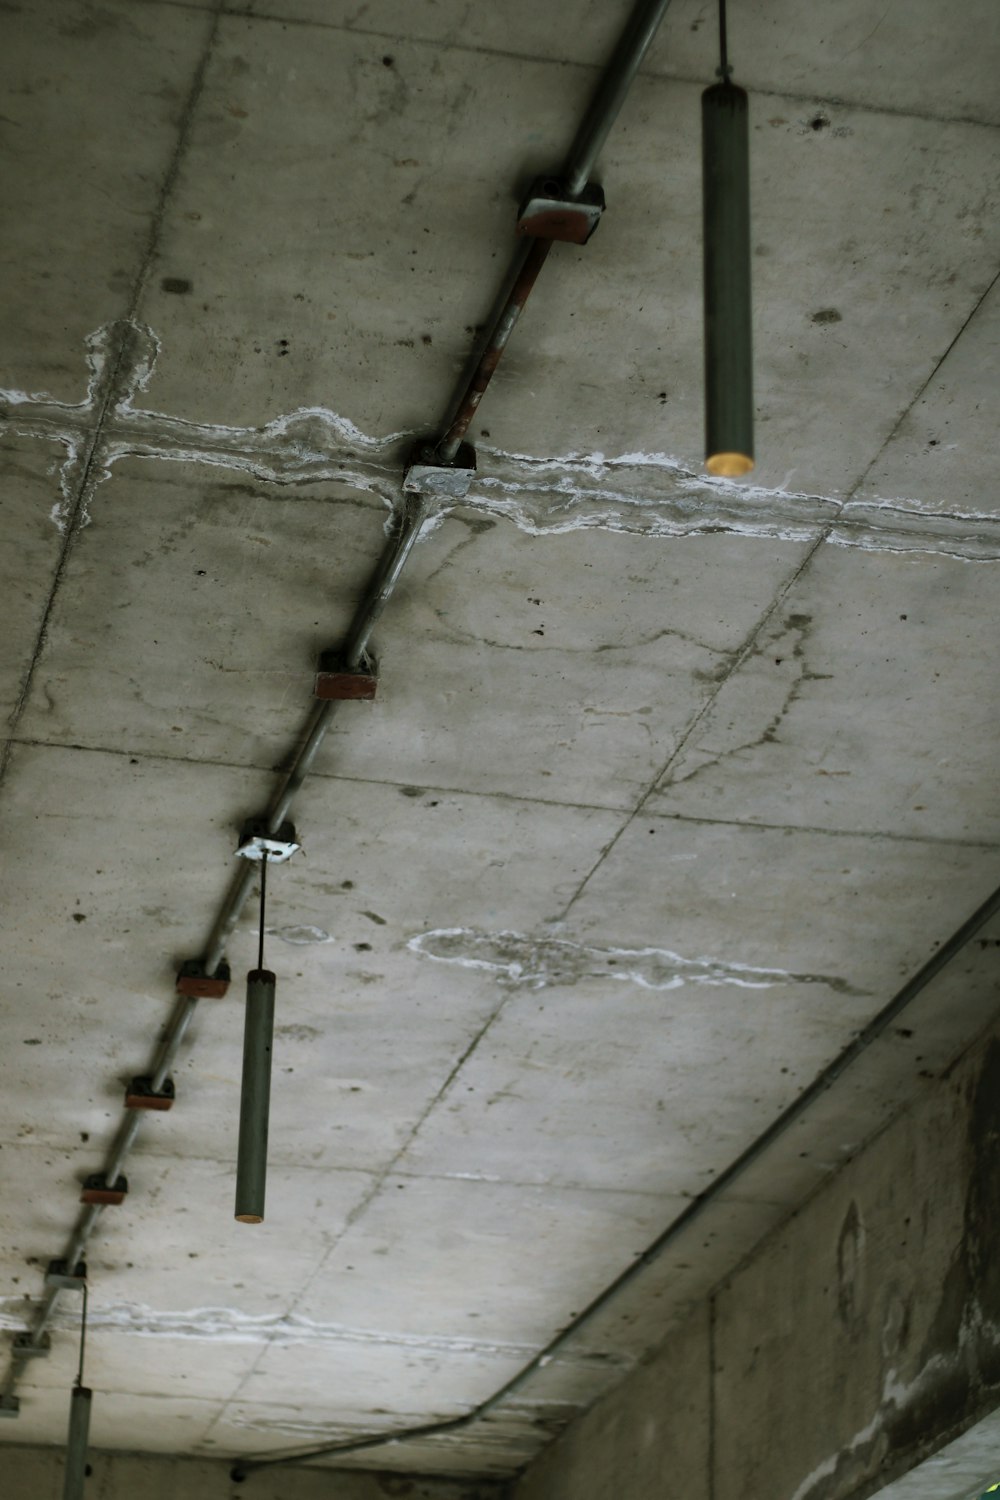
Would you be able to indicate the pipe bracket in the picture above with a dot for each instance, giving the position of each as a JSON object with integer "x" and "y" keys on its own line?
{"x": 337, "y": 682}
{"x": 96, "y": 1190}
{"x": 27, "y": 1347}
{"x": 141, "y": 1094}
{"x": 427, "y": 475}
{"x": 257, "y": 843}
{"x": 59, "y": 1276}
{"x": 195, "y": 984}
{"x": 551, "y": 212}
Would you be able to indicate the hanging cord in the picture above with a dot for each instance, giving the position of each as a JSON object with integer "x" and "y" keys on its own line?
{"x": 724, "y": 69}
{"x": 263, "y": 899}
{"x": 83, "y": 1336}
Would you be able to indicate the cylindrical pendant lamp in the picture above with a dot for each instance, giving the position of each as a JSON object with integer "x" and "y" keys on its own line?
{"x": 255, "y": 1101}
{"x": 76, "y": 1446}
{"x": 728, "y": 335}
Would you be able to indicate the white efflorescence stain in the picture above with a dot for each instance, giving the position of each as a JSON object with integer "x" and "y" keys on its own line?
{"x": 519, "y": 961}
{"x": 229, "y": 1325}
{"x": 302, "y": 936}
{"x": 637, "y": 493}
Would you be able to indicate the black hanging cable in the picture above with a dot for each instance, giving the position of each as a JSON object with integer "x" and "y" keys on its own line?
{"x": 83, "y": 1337}
{"x": 724, "y": 68}
{"x": 263, "y": 899}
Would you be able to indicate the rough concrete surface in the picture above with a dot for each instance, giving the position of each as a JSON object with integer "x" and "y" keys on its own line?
{"x": 826, "y": 1364}
{"x": 670, "y": 783}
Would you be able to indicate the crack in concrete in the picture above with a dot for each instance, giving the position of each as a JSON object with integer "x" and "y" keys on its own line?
{"x": 635, "y": 493}
{"x": 522, "y": 962}
{"x": 788, "y": 640}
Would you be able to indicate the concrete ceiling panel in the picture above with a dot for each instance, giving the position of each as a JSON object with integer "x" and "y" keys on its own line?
{"x": 644, "y": 826}
{"x": 564, "y": 668}
{"x": 591, "y": 1087}
{"x": 883, "y": 901}
{"x": 169, "y": 582}
{"x": 835, "y": 51}
{"x": 442, "y": 1242}
{"x": 114, "y": 81}
{"x": 886, "y": 661}
{"x": 945, "y": 444}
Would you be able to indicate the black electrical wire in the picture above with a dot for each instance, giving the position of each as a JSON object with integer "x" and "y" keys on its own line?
{"x": 83, "y": 1336}
{"x": 263, "y": 899}
{"x": 724, "y": 69}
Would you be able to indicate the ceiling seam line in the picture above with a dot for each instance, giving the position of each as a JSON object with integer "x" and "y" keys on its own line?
{"x": 540, "y": 59}
{"x": 107, "y": 392}
{"x": 921, "y": 390}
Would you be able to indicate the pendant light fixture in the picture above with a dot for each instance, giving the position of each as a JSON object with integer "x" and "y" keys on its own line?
{"x": 726, "y": 228}
{"x": 258, "y": 1033}
{"x": 79, "y": 1415}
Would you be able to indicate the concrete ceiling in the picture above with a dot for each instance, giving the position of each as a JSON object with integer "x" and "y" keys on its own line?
{"x": 670, "y": 783}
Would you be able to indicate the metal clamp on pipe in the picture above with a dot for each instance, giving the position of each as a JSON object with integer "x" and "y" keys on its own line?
{"x": 428, "y": 474}
{"x": 97, "y": 1189}
{"x": 195, "y": 983}
{"x": 552, "y": 212}
{"x": 337, "y": 682}
{"x": 140, "y": 1094}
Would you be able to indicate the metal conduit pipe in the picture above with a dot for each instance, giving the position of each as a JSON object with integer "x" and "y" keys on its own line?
{"x": 394, "y": 557}
{"x": 778, "y": 1128}
{"x": 612, "y": 91}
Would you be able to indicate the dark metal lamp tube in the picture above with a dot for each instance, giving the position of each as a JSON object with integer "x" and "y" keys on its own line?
{"x": 728, "y": 334}
{"x": 255, "y": 1102}
{"x": 76, "y": 1446}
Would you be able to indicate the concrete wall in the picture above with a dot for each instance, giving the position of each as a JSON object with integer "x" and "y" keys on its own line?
{"x": 855, "y": 1341}
{"x": 37, "y": 1474}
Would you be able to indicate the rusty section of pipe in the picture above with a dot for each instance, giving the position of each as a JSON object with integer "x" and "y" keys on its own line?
{"x": 620, "y": 74}
{"x": 524, "y": 280}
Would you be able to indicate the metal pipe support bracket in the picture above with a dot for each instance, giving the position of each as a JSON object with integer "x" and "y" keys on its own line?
{"x": 337, "y": 682}
{"x": 427, "y": 475}
{"x": 26, "y": 1347}
{"x": 551, "y": 212}
{"x": 195, "y": 984}
{"x": 141, "y": 1094}
{"x": 257, "y": 843}
{"x": 59, "y": 1276}
{"x": 97, "y": 1190}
